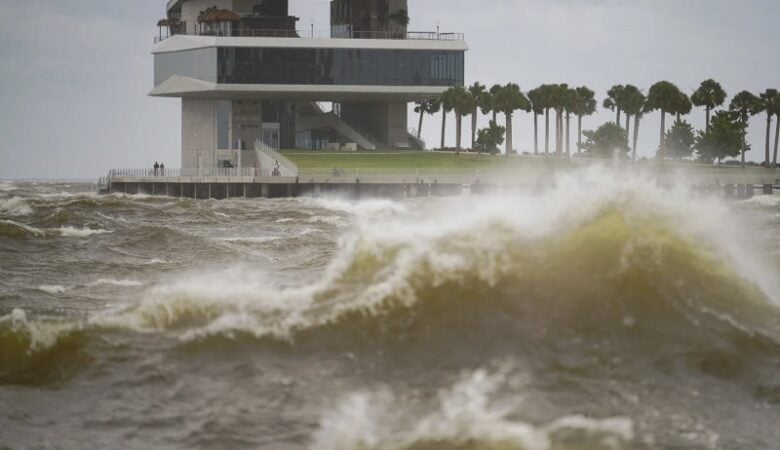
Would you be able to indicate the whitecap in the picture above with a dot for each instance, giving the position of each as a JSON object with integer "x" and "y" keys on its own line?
{"x": 328, "y": 220}
{"x": 252, "y": 240}
{"x": 52, "y": 288}
{"x": 27, "y": 228}
{"x": 78, "y": 232}
{"x": 112, "y": 282}
{"x": 769, "y": 201}
{"x": 15, "y": 206}
{"x": 469, "y": 412}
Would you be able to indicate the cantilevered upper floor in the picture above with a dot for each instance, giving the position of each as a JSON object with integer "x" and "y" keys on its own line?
{"x": 306, "y": 69}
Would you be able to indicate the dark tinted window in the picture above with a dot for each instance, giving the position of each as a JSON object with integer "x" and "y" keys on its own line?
{"x": 340, "y": 66}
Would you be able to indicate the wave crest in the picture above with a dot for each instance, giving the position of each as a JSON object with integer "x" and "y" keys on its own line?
{"x": 614, "y": 260}
{"x": 39, "y": 351}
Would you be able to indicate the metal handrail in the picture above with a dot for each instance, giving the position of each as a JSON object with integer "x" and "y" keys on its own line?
{"x": 319, "y": 34}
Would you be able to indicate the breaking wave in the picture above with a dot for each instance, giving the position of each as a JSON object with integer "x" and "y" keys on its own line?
{"x": 13, "y": 229}
{"x": 39, "y": 351}
{"x": 14, "y": 206}
{"x": 623, "y": 259}
{"x": 469, "y": 415}
{"x": 597, "y": 259}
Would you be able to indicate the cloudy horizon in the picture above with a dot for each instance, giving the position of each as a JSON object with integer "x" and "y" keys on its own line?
{"x": 77, "y": 75}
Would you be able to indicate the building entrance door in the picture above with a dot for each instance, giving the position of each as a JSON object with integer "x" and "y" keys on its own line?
{"x": 271, "y": 135}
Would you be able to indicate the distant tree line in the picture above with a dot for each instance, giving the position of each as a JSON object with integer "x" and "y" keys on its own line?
{"x": 725, "y": 133}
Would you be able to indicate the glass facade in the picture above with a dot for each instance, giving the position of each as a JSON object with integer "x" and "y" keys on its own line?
{"x": 200, "y": 64}
{"x": 366, "y": 67}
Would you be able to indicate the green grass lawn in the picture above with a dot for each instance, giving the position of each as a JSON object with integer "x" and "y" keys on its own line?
{"x": 405, "y": 160}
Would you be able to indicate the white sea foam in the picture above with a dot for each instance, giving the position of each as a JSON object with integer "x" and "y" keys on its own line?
{"x": 467, "y": 413}
{"x": 14, "y": 206}
{"x": 112, "y": 282}
{"x": 769, "y": 201}
{"x": 328, "y": 220}
{"x": 27, "y": 228}
{"x": 251, "y": 240}
{"x": 370, "y": 208}
{"x": 41, "y": 334}
{"x": 6, "y": 186}
{"x": 78, "y": 232}
{"x": 52, "y": 288}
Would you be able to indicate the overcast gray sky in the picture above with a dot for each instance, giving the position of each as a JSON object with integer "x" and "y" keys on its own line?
{"x": 75, "y": 74}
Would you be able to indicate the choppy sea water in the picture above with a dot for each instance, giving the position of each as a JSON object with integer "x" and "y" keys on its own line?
{"x": 606, "y": 313}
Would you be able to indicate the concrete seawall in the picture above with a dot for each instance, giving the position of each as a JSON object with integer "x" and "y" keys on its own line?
{"x": 731, "y": 182}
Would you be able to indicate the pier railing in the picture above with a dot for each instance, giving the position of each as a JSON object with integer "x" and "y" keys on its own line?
{"x": 195, "y": 172}
{"x": 325, "y": 34}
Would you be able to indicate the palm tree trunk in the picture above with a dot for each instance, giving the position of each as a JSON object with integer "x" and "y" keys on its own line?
{"x": 777, "y": 137}
{"x": 628, "y": 122}
{"x": 661, "y": 146}
{"x": 579, "y": 133}
{"x": 443, "y": 126}
{"x": 508, "y": 116}
{"x": 558, "y": 132}
{"x": 636, "y": 133}
{"x": 547, "y": 131}
{"x": 536, "y": 134}
{"x": 419, "y": 128}
{"x": 494, "y": 117}
{"x": 678, "y": 117}
{"x": 707, "y": 109}
{"x": 744, "y": 139}
{"x": 473, "y": 128}
{"x": 458, "y": 123}
{"x": 617, "y": 117}
{"x": 768, "y": 136}
{"x": 568, "y": 140}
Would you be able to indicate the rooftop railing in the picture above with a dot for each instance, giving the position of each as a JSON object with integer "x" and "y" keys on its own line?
{"x": 314, "y": 34}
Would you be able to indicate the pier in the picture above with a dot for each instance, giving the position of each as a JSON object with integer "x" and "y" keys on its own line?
{"x": 729, "y": 182}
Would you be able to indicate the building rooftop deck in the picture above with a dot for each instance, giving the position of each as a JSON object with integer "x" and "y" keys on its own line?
{"x": 312, "y": 34}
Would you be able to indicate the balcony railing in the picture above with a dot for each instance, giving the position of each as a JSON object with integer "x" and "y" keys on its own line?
{"x": 314, "y": 34}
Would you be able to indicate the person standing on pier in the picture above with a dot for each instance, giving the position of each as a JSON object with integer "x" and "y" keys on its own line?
{"x": 156, "y": 168}
{"x": 162, "y": 169}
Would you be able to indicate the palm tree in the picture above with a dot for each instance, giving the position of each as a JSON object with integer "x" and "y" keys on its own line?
{"x": 536, "y": 97}
{"x": 464, "y": 104}
{"x": 613, "y": 100}
{"x": 570, "y": 105}
{"x": 777, "y": 128}
{"x": 556, "y": 98}
{"x": 745, "y": 104}
{"x": 478, "y": 92}
{"x": 426, "y": 107}
{"x": 493, "y": 92}
{"x": 768, "y": 99}
{"x": 633, "y": 105}
{"x": 710, "y": 95}
{"x": 546, "y": 103}
{"x": 683, "y": 106}
{"x": 663, "y": 96}
{"x": 447, "y": 101}
{"x": 509, "y": 99}
{"x": 585, "y": 105}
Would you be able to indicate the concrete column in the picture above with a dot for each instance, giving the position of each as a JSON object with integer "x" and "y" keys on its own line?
{"x": 767, "y": 189}
{"x": 265, "y": 190}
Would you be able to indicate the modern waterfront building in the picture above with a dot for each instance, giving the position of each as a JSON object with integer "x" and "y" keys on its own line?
{"x": 245, "y": 74}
